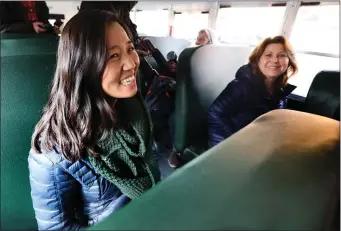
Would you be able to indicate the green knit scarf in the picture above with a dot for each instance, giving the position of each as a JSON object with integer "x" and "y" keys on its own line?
{"x": 126, "y": 158}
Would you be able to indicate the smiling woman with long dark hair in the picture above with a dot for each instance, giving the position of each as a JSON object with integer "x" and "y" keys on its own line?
{"x": 91, "y": 150}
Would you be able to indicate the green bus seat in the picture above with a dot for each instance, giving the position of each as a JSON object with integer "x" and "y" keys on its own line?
{"x": 324, "y": 95}
{"x": 27, "y": 65}
{"x": 202, "y": 73}
{"x": 274, "y": 174}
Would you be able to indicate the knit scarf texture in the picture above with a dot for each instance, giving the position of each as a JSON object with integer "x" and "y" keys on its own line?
{"x": 125, "y": 156}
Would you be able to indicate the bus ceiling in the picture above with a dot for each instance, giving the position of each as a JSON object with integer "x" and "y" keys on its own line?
{"x": 206, "y": 6}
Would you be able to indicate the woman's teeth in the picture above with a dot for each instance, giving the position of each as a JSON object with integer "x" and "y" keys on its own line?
{"x": 127, "y": 81}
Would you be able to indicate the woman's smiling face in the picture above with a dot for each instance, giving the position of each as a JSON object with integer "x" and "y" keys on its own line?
{"x": 119, "y": 77}
{"x": 274, "y": 61}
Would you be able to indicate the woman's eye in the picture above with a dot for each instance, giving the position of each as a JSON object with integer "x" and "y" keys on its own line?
{"x": 114, "y": 56}
{"x": 131, "y": 49}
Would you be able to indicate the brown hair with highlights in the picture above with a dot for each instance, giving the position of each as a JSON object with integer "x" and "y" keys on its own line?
{"x": 259, "y": 50}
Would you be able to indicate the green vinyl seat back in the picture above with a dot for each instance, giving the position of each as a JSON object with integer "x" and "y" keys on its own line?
{"x": 27, "y": 66}
{"x": 202, "y": 73}
{"x": 324, "y": 95}
{"x": 274, "y": 174}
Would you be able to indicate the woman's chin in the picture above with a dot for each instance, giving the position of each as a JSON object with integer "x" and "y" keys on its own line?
{"x": 127, "y": 91}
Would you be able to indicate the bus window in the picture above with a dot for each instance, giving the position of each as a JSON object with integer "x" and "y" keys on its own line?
{"x": 315, "y": 37}
{"x": 187, "y": 25}
{"x": 308, "y": 66}
{"x": 262, "y": 22}
{"x": 152, "y": 22}
{"x": 316, "y": 29}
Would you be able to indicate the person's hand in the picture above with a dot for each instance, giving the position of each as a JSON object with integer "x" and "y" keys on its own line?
{"x": 37, "y": 26}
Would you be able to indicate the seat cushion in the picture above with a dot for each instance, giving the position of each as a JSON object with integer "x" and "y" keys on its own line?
{"x": 27, "y": 66}
{"x": 274, "y": 174}
{"x": 324, "y": 95}
{"x": 202, "y": 73}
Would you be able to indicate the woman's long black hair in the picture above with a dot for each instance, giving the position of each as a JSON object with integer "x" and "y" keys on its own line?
{"x": 78, "y": 111}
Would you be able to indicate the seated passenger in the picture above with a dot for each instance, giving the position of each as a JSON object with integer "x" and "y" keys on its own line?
{"x": 207, "y": 36}
{"x": 91, "y": 150}
{"x": 25, "y": 17}
{"x": 259, "y": 87}
{"x": 172, "y": 60}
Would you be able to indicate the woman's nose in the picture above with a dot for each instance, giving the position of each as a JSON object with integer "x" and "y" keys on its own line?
{"x": 274, "y": 59}
{"x": 129, "y": 63}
